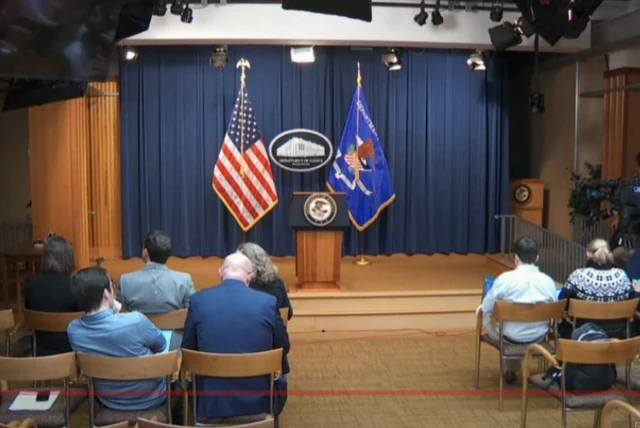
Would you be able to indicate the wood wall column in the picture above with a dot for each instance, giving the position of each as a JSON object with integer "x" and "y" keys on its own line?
{"x": 58, "y": 145}
{"x": 105, "y": 171}
{"x": 622, "y": 124}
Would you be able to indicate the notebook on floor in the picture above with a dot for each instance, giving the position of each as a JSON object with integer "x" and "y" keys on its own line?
{"x": 27, "y": 400}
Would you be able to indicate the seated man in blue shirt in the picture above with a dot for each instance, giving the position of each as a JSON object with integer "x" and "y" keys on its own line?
{"x": 104, "y": 331}
{"x": 525, "y": 284}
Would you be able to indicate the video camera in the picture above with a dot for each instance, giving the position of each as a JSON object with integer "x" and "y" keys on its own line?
{"x": 624, "y": 195}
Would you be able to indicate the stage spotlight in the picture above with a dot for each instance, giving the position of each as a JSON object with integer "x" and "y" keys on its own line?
{"x": 496, "y": 13}
{"x": 160, "y": 7}
{"x": 524, "y": 27}
{"x": 477, "y": 61}
{"x": 436, "y": 17}
{"x": 505, "y": 36}
{"x": 421, "y": 18}
{"x": 392, "y": 60}
{"x": 187, "y": 15}
{"x": 219, "y": 57}
{"x": 176, "y": 7}
{"x": 303, "y": 55}
{"x": 129, "y": 54}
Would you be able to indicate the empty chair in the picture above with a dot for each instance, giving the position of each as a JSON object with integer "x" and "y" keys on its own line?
{"x": 47, "y": 322}
{"x": 8, "y": 326}
{"x": 622, "y": 406}
{"x": 603, "y": 312}
{"x": 173, "y": 320}
{"x": 35, "y": 369}
{"x": 143, "y": 423}
{"x": 27, "y": 423}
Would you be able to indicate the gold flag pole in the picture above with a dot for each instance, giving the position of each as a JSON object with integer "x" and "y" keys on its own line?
{"x": 361, "y": 260}
{"x": 242, "y": 64}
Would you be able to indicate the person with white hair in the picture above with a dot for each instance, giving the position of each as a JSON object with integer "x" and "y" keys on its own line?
{"x": 266, "y": 277}
{"x": 231, "y": 318}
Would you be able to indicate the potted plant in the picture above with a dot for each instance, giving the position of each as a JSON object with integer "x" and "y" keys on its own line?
{"x": 579, "y": 203}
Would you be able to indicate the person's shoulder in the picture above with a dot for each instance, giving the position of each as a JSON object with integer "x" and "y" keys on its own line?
{"x": 181, "y": 276}
{"x": 129, "y": 276}
{"x": 134, "y": 317}
{"x": 260, "y": 297}
{"x": 619, "y": 274}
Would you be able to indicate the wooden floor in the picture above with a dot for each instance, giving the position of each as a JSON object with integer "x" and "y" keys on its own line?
{"x": 432, "y": 293}
{"x": 386, "y": 273}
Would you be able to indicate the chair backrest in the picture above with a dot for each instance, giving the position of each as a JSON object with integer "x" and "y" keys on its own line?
{"x": 54, "y": 322}
{"x": 284, "y": 314}
{"x": 128, "y": 368}
{"x": 7, "y": 322}
{"x": 144, "y": 423}
{"x": 173, "y": 320}
{"x": 232, "y": 365}
{"x": 27, "y": 423}
{"x": 33, "y": 369}
{"x": 583, "y": 309}
{"x": 509, "y": 311}
{"x": 612, "y": 351}
{"x": 613, "y": 405}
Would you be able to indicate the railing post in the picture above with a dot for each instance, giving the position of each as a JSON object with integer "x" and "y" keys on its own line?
{"x": 502, "y": 237}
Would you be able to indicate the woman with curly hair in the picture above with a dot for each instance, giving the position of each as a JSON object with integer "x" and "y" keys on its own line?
{"x": 266, "y": 277}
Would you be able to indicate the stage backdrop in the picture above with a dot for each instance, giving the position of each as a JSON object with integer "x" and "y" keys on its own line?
{"x": 444, "y": 130}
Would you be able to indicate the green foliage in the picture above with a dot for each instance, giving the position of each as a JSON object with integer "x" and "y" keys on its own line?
{"x": 578, "y": 201}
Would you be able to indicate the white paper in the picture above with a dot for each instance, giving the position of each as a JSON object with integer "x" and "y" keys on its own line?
{"x": 26, "y": 400}
{"x": 168, "y": 334}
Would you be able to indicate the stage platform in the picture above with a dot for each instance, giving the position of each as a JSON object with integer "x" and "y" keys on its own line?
{"x": 438, "y": 293}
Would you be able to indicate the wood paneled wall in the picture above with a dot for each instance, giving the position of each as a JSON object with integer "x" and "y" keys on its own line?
{"x": 59, "y": 145}
{"x": 76, "y": 172}
{"x": 622, "y": 124}
{"x": 105, "y": 171}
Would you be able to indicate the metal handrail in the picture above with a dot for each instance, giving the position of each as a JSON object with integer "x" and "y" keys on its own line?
{"x": 585, "y": 231}
{"x": 558, "y": 256}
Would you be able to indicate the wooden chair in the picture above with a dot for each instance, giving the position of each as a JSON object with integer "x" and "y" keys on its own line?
{"x": 572, "y": 351}
{"x": 614, "y": 405}
{"x": 603, "y": 311}
{"x": 50, "y": 322}
{"x": 284, "y": 314}
{"x": 35, "y": 369}
{"x": 9, "y": 327}
{"x": 127, "y": 369}
{"x": 173, "y": 320}
{"x": 143, "y": 423}
{"x": 196, "y": 363}
{"x": 27, "y": 423}
{"x": 509, "y": 312}
{"x": 126, "y": 424}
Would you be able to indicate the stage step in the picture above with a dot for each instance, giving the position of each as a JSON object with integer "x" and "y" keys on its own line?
{"x": 438, "y": 311}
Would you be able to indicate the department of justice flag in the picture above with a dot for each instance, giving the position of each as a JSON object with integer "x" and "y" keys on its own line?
{"x": 360, "y": 168}
{"x": 242, "y": 176}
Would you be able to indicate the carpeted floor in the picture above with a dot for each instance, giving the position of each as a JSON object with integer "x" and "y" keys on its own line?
{"x": 399, "y": 380}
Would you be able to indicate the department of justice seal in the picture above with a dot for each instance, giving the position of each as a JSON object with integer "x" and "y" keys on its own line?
{"x": 320, "y": 209}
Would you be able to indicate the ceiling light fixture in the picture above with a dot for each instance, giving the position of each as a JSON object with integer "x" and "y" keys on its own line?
{"x": 422, "y": 16}
{"x": 477, "y": 61}
{"x": 392, "y": 60}
{"x": 302, "y": 54}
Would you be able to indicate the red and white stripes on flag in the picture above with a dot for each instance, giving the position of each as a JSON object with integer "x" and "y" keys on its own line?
{"x": 242, "y": 176}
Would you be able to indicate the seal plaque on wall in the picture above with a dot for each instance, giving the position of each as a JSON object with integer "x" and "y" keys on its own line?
{"x": 320, "y": 209}
{"x": 301, "y": 150}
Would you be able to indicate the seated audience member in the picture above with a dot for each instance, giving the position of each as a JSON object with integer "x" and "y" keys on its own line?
{"x": 599, "y": 281}
{"x": 524, "y": 284}
{"x": 104, "y": 331}
{"x": 156, "y": 288}
{"x": 633, "y": 267}
{"x": 621, "y": 257}
{"x": 265, "y": 275}
{"x": 50, "y": 291}
{"x": 231, "y": 319}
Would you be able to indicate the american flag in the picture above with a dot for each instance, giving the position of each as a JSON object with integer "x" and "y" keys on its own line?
{"x": 242, "y": 176}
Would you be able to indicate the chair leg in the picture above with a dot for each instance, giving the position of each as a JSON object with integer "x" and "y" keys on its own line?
{"x": 523, "y": 410}
{"x": 478, "y": 346}
{"x": 501, "y": 383}
{"x": 596, "y": 418}
{"x": 564, "y": 416}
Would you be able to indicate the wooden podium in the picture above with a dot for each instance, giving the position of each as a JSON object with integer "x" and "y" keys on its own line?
{"x": 319, "y": 219}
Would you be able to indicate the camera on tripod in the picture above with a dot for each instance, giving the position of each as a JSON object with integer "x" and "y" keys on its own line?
{"x": 624, "y": 196}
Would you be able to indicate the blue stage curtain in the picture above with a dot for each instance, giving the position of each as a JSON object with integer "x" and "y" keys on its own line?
{"x": 444, "y": 130}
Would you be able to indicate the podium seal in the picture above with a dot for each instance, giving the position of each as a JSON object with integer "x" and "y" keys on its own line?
{"x": 320, "y": 209}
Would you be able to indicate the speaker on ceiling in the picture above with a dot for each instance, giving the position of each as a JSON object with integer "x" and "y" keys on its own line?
{"x": 356, "y": 9}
